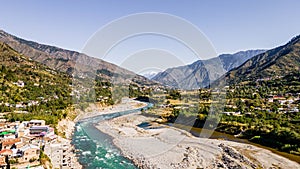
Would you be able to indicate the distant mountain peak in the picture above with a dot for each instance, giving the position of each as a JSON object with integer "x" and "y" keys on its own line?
{"x": 149, "y": 74}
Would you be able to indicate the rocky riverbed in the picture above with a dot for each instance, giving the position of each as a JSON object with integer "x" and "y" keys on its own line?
{"x": 160, "y": 146}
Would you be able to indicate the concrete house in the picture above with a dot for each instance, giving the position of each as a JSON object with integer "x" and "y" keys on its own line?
{"x": 36, "y": 123}
{"x": 3, "y": 164}
{"x": 10, "y": 143}
{"x": 29, "y": 152}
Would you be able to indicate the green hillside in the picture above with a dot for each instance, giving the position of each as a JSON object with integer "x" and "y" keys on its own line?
{"x": 273, "y": 64}
{"x": 30, "y": 89}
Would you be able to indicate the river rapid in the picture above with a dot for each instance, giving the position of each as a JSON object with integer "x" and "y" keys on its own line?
{"x": 96, "y": 149}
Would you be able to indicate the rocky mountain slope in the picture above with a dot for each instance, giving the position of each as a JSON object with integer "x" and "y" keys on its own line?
{"x": 72, "y": 62}
{"x": 272, "y": 64}
{"x": 203, "y": 72}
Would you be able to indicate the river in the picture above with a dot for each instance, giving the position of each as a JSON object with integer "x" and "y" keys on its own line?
{"x": 96, "y": 149}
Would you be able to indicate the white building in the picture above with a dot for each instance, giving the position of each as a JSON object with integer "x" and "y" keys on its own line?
{"x": 60, "y": 155}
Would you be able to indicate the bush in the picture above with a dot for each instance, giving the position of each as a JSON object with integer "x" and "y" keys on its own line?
{"x": 13, "y": 161}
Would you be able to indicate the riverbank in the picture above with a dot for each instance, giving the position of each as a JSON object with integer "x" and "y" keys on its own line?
{"x": 66, "y": 126}
{"x": 95, "y": 109}
{"x": 221, "y": 135}
{"x": 158, "y": 146}
{"x": 94, "y": 148}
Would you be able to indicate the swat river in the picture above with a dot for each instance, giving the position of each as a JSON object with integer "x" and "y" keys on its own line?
{"x": 96, "y": 149}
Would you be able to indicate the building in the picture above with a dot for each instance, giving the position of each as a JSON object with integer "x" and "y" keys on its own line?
{"x": 29, "y": 152}
{"x": 3, "y": 164}
{"x": 36, "y": 123}
{"x": 38, "y": 130}
{"x": 19, "y": 83}
{"x": 20, "y": 141}
{"x": 10, "y": 143}
{"x": 60, "y": 155}
{"x": 232, "y": 113}
{"x": 8, "y": 133}
{"x": 6, "y": 152}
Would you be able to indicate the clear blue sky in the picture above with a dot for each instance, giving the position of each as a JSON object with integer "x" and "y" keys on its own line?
{"x": 230, "y": 25}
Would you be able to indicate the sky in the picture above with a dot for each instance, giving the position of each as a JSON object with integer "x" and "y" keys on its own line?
{"x": 229, "y": 26}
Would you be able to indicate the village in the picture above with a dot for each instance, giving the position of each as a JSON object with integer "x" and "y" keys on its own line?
{"x": 24, "y": 144}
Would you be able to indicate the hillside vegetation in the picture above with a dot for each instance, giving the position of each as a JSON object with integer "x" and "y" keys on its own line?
{"x": 30, "y": 89}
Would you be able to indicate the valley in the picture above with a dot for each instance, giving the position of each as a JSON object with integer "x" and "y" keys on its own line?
{"x": 255, "y": 97}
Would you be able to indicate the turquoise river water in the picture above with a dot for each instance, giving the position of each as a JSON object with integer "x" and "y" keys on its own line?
{"x": 96, "y": 149}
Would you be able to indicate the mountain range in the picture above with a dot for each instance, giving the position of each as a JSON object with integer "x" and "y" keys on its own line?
{"x": 203, "y": 72}
{"x": 233, "y": 68}
{"x": 72, "y": 62}
{"x": 272, "y": 64}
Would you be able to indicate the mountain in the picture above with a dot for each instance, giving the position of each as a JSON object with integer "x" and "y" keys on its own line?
{"x": 31, "y": 86}
{"x": 272, "y": 64}
{"x": 203, "y": 72}
{"x": 72, "y": 62}
{"x": 149, "y": 75}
